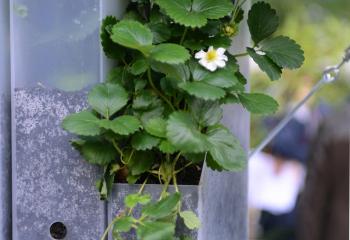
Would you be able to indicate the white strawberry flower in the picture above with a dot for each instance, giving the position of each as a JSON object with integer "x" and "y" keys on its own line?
{"x": 213, "y": 59}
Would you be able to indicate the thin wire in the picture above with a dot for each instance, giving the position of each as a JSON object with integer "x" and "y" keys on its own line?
{"x": 329, "y": 75}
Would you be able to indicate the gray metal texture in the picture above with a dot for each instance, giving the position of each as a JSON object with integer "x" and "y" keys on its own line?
{"x": 189, "y": 202}
{"x": 5, "y": 123}
{"x": 223, "y": 196}
{"x": 51, "y": 181}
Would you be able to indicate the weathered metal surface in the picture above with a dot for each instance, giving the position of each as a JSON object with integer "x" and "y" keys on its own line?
{"x": 52, "y": 183}
{"x": 5, "y": 124}
{"x": 223, "y": 196}
{"x": 189, "y": 202}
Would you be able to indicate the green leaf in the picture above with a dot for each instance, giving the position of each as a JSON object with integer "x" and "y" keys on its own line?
{"x": 225, "y": 149}
{"x": 107, "y": 98}
{"x": 180, "y": 72}
{"x": 206, "y": 113}
{"x": 161, "y": 32}
{"x": 111, "y": 49}
{"x": 138, "y": 67}
{"x": 100, "y": 153}
{"x": 170, "y": 53}
{"x": 284, "y": 51}
{"x": 166, "y": 147}
{"x": 124, "y": 125}
{"x": 140, "y": 162}
{"x": 133, "y": 34}
{"x": 223, "y": 78}
{"x": 123, "y": 224}
{"x": 195, "y": 13}
{"x": 156, "y": 127}
{"x": 183, "y": 133}
{"x": 144, "y": 141}
{"x": 262, "y": 21}
{"x": 83, "y": 123}
{"x": 132, "y": 200}
{"x": 162, "y": 208}
{"x": 190, "y": 219}
{"x": 266, "y": 64}
{"x": 258, "y": 103}
{"x": 203, "y": 90}
{"x": 156, "y": 231}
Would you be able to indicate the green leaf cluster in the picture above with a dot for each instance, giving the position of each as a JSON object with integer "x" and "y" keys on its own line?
{"x": 159, "y": 111}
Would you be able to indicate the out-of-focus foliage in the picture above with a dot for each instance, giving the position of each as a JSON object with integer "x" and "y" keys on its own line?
{"x": 322, "y": 28}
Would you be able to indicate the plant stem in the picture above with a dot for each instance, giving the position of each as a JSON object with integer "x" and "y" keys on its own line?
{"x": 117, "y": 148}
{"x": 183, "y": 168}
{"x": 183, "y": 36}
{"x": 149, "y": 74}
{"x": 108, "y": 228}
{"x": 240, "y": 55}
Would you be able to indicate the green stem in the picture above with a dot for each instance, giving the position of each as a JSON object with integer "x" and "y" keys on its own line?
{"x": 139, "y": 192}
{"x": 117, "y": 148}
{"x": 108, "y": 228}
{"x": 149, "y": 74}
{"x": 183, "y": 36}
{"x": 183, "y": 168}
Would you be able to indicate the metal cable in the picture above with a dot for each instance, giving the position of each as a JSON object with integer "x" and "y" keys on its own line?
{"x": 330, "y": 75}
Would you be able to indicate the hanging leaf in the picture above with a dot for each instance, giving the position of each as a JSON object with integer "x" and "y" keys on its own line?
{"x": 183, "y": 134}
{"x": 190, "y": 219}
{"x": 225, "y": 149}
{"x": 124, "y": 125}
{"x": 258, "y": 103}
{"x": 140, "y": 162}
{"x": 266, "y": 64}
{"x": 138, "y": 67}
{"x": 123, "y": 224}
{"x": 262, "y": 20}
{"x": 166, "y": 147}
{"x": 111, "y": 49}
{"x": 180, "y": 72}
{"x": 195, "y": 13}
{"x": 100, "y": 153}
{"x": 156, "y": 231}
{"x": 144, "y": 141}
{"x": 132, "y": 200}
{"x": 170, "y": 53}
{"x": 156, "y": 127}
{"x": 133, "y": 34}
{"x": 203, "y": 90}
{"x": 107, "y": 98}
{"x": 284, "y": 51}
{"x": 163, "y": 208}
{"x": 83, "y": 123}
{"x": 206, "y": 113}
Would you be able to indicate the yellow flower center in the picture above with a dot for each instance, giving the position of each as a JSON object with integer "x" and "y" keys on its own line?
{"x": 212, "y": 55}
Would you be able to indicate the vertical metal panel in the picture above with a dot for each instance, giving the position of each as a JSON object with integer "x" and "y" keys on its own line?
{"x": 55, "y": 57}
{"x": 223, "y": 196}
{"x": 5, "y": 126}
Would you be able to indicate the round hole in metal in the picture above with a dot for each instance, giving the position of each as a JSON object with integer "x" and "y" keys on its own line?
{"x": 58, "y": 230}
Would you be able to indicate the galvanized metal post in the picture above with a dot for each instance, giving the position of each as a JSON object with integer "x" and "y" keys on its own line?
{"x": 223, "y": 196}
{"x": 5, "y": 123}
{"x": 56, "y": 55}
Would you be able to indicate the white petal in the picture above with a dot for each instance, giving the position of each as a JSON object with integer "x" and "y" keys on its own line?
{"x": 200, "y": 54}
{"x": 211, "y": 48}
{"x": 221, "y": 51}
{"x": 204, "y": 62}
{"x": 211, "y": 66}
{"x": 220, "y": 63}
{"x": 223, "y": 57}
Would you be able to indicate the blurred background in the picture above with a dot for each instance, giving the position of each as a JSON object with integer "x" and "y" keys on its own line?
{"x": 299, "y": 179}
